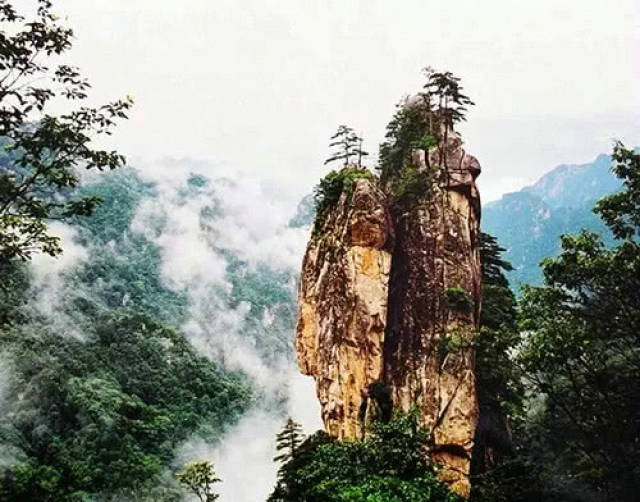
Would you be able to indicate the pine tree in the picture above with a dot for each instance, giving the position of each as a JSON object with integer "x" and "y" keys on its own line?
{"x": 446, "y": 105}
{"x": 494, "y": 265}
{"x": 443, "y": 95}
{"x": 424, "y": 124}
{"x": 350, "y": 145}
{"x": 288, "y": 440}
{"x": 359, "y": 151}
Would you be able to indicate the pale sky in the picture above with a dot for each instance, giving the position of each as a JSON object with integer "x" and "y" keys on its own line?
{"x": 260, "y": 85}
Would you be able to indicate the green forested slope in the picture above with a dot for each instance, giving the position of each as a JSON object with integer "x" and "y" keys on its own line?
{"x": 104, "y": 386}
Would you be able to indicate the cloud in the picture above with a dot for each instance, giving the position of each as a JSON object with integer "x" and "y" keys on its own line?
{"x": 244, "y": 457}
{"x": 48, "y": 285}
{"x": 202, "y": 222}
{"x": 264, "y": 86}
{"x": 187, "y": 258}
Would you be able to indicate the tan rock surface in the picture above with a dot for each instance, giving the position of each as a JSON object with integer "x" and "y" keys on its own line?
{"x": 374, "y": 306}
{"x": 342, "y": 306}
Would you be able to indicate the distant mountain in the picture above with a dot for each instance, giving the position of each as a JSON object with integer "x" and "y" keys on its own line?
{"x": 574, "y": 186}
{"x": 528, "y": 223}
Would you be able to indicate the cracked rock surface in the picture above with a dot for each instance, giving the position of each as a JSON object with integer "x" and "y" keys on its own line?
{"x": 391, "y": 296}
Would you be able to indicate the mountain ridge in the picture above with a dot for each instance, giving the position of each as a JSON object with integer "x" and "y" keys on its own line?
{"x": 529, "y": 222}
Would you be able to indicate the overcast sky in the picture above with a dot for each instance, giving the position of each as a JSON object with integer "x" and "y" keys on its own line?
{"x": 259, "y": 85}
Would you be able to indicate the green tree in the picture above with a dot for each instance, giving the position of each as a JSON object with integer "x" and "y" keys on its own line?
{"x": 288, "y": 441}
{"x": 582, "y": 349}
{"x": 199, "y": 478}
{"x": 444, "y": 97}
{"x": 499, "y": 387}
{"x": 105, "y": 414}
{"x": 44, "y": 151}
{"x": 408, "y": 125}
{"x": 501, "y": 468}
{"x": 390, "y": 465}
{"x": 423, "y": 123}
{"x": 359, "y": 152}
{"x": 621, "y": 211}
{"x": 349, "y": 145}
{"x": 330, "y": 188}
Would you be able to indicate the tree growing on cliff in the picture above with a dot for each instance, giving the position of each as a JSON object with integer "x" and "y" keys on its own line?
{"x": 445, "y": 105}
{"x": 407, "y": 126}
{"x": 444, "y": 100}
{"x": 40, "y": 151}
{"x": 348, "y": 145}
{"x": 498, "y": 471}
{"x": 423, "y": 123}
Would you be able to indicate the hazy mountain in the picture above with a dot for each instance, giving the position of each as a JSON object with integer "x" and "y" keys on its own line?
{"x": 528, "y": 223}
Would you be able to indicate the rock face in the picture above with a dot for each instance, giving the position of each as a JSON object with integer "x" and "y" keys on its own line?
{"x": 342, "y": 306}
{"x": 390, "y": 296}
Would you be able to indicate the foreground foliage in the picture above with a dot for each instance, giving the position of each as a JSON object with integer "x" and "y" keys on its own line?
{"x": 573, "y": 433}
{"x": 391, "y": 465}
{"x": 582, "y": 349}
{"x": 105, "y": 414}
{"x": 42, "y": 152}
{"x": 199, "y": 478}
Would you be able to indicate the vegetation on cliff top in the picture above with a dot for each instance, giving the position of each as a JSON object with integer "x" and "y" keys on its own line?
{"x": 349, "y": 145}
{"x": 423, "y": 123}
{"x": 416, "y": 125}
{"x": 328, "y": 191}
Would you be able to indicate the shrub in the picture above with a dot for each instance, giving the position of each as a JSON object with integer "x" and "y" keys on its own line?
{"x": 390, "y": 465}
{"x": 458, "y": 299}
{"x": 409, "y": 186}
{"x": 332, "y": 186}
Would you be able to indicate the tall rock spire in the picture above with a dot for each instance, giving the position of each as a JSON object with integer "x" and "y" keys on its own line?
{"x": 389, "y": 303}
{"x": 433, "y": 310}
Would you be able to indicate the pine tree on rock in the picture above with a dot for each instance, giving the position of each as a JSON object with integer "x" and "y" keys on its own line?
{"x": 423, "y": 122}
{"x": 359, "y": 151}
{"x": 443, "y": 95}
{"x": 349, "y": 144}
